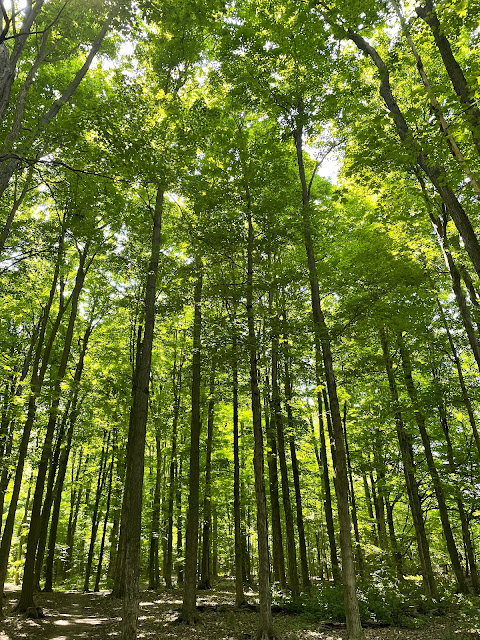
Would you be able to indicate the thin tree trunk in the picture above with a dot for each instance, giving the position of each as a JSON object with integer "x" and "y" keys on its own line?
{"x": 461, "y": 379}
{"x": 179, "y": 565}
{"x": 75, "y": 499}
{"x": 287, "y": 506}
{"x": 36, "y": 383}
{"x": 455, "y": 73}
{"x": 323, "y": 346}
{"x": 153, "y": 561}
{"x": 26, "y": 599}
{"x": 177, "y": 388}
{"x": 353, "y": 501}
{"x": 189, "y": 608}
{"x": 265, "y": 630}
{"x": 49, "y": 495}
{"x": 397, "y": 556}
{"x": 239, "y": 594}
{"x": 133, "y": 493}
{"x": 435, "y": 172}
{"x": 206, "y": 567}
{"x": 437, "y": 485}
{"x": 406, "y": 451}
{"x": 293, "y": 455}
{"x": 368, "y": 500}
{"x": 105, "y": 524}
{"x": 277, "y": 538}
{"x": 327, "y": 500}
{"x": 101, "y": 479}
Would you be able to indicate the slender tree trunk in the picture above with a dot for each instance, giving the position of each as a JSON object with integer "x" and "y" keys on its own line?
{"x": 49, "y": 495}
{"x": 36, "y": 383}
{"x": 295, "y": 471}
{"x": 179, "y": 565}
{"x": 133, "y": 493}
{"x": 323, "y": 346}
{"x": 461, "y": 379}
{"x": 153, "y": 562}
{"x": 239, "y": 594}
{"x": 353, "y": 501}
{"x": 467, "y": 539}
{"x": 368, "y": 500}
{"x": 101, "y": 479}
{"x": 406, "y": 451}
{"x": 62, "y": 469}
{"x": 105, "y": 524}
{"x": 75, "y": 499}
{"x": 26, "y": 597}
{"x": 435, "y": 172}
{"x": 177, "y": 387}
{"x": 189, "y": 608}
{"x": 277, "y": 538}
{"x": 455, "y": 73}
{"x": 397, "y": 556}
{"x": 327, "y": 494}
{"x": 206, "y": 568}
{"x": 265, "y": 630}
{"x": 287, "y": 506}
{"x": 437, "y": 485}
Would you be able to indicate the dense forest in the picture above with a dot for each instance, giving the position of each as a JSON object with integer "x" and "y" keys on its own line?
{"x": 240, "y": 304}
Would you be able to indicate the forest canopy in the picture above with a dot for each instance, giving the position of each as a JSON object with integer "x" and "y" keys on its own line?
{"x": 240, "y": 304}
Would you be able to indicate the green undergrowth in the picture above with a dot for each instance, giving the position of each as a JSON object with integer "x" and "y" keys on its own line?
{"x": 382, "y": 599}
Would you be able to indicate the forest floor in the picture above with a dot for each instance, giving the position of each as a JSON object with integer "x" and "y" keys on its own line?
{"x": 73, "y": 615}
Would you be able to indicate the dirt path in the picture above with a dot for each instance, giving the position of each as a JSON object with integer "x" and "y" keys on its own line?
{"x": 73, "y": 615}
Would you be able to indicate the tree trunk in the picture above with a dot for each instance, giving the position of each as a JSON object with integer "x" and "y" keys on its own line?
{"x": 323, "y": 346}
{"x": 206, "y": 568}
{"x": 177, "y": 388}
{"x": 49, "y": 495}
{"x": 437, "y": 486}
{"x": 265, "y": 629}
{"x": 406, "y": 450}
{"x": 293, "y": 455}
{"x": 26, "y": 597}
{"x": 105, "y": 524}
{"x": 36, "y": 383}
{"x": 239, "y": 594}
{"x": 133, "y": 493}
{"x": 153, "y": 561}
{"x": 277, "y": 538}
{"x": 455, "y": 73}
{"x": 327, "y": 503}
{"x": 353, "y": 501}
{"x": 101, "y": 479}
{"x": 189, "y": 608}
{"x": 287, "y": 507}
{"x": 435, "y": 172}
